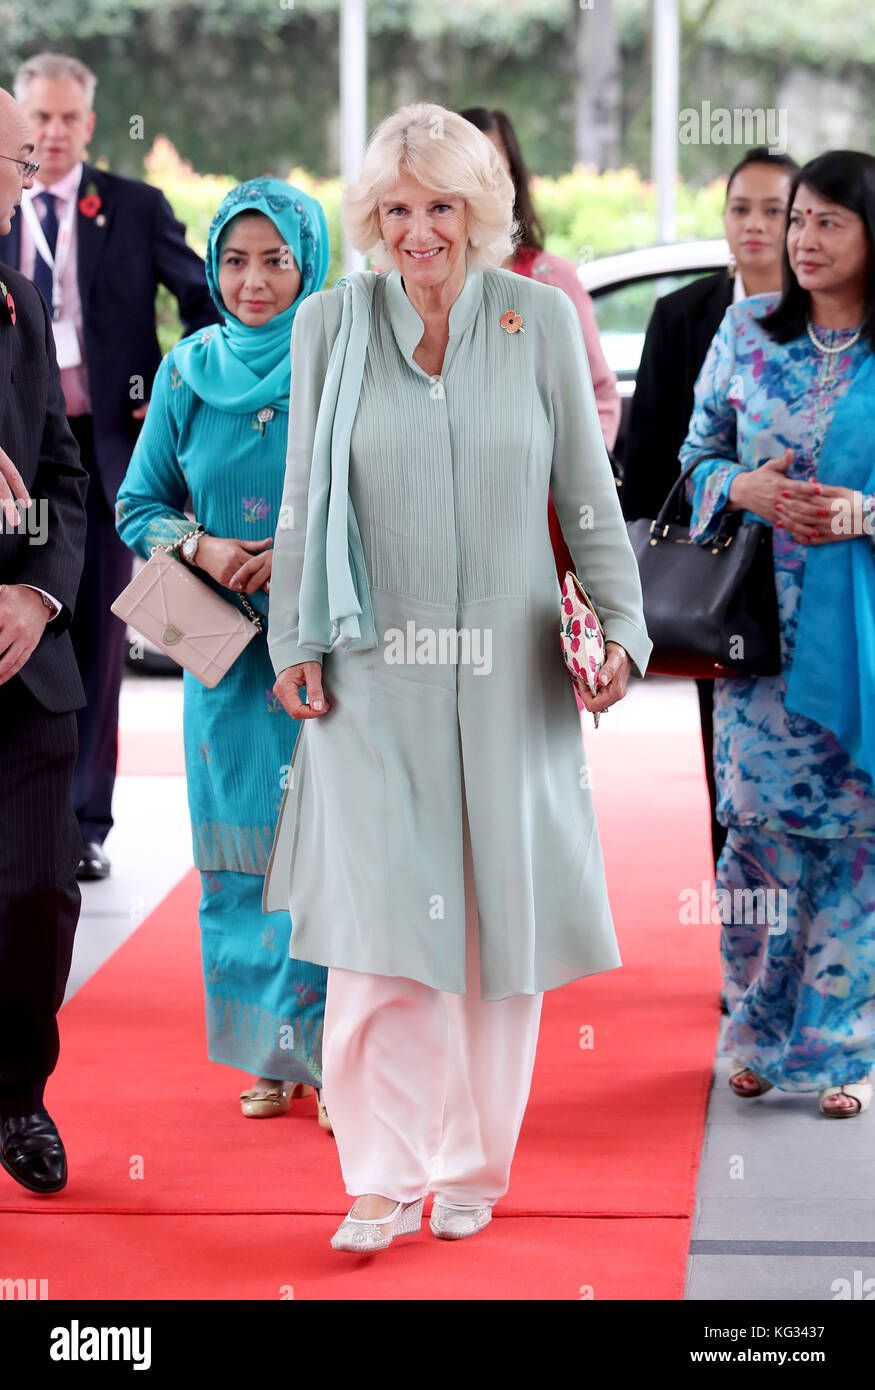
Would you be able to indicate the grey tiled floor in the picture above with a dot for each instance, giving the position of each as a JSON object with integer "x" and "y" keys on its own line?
{"x": 785, "y": 1203}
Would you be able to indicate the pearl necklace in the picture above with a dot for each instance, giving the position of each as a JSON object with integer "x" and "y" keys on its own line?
{"x": 822, "y": 347}
{"x": 826, "y": 374}
{"x": 824, "y": 383}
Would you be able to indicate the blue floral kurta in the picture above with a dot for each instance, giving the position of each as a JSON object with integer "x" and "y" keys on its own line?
{"x": 238, "y": 738}
{"x": 800, "y": 812}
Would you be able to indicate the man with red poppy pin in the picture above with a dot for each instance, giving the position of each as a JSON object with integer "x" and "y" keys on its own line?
{"x": 40, "y": 690}
{"x": 97, "y": 246}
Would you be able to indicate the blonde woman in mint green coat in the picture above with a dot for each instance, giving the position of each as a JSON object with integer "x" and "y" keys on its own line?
{"x": 437, "y": 846}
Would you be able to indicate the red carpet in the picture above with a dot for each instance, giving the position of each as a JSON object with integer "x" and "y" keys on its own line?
{"x": 270, "y": 1257}
{"x": 612, "y": 1131}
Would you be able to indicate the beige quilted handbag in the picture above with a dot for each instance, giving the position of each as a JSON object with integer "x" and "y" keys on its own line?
{"x": 182, "y": 615}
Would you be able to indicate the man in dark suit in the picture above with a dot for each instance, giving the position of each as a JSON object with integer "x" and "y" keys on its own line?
{"x": 41, "y": 551}
{"x": 97, "y": 246}
{"x": 678, "y": 337}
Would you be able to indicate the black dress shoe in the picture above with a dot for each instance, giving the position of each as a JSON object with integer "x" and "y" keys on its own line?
{"x": 32, "y": 1152}
{"x": 93, "y": 864}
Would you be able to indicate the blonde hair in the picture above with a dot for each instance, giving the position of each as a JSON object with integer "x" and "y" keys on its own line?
{"x": 445, "y": 152}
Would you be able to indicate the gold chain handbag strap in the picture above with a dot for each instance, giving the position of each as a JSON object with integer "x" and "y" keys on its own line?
{"x": 171, "y": 549}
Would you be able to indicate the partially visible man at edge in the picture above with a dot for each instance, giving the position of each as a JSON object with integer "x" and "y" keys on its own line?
{"x": 41, "y": 553}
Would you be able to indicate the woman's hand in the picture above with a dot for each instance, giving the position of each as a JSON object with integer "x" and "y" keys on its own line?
{"x": 308, "y": 673}
{"x": 829, "y": 514}
{"x": 808, "y": 510}
{"x": 255, "y": 573}
{"x": 613, "y": 678}
{"x": 766, "y": 491}
{"x": 241, "y": 565}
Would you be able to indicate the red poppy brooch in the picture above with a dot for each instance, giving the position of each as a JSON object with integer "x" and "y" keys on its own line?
{"x": 512, "y": 322}
{"x": 91, "y": 203}
{"x": 8, "y": 303}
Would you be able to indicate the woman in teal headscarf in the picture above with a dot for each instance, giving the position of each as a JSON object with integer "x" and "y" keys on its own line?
{"x": 216, "y": 432}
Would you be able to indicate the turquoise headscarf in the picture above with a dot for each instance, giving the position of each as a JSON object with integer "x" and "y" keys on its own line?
{"x": 233, "y": 366}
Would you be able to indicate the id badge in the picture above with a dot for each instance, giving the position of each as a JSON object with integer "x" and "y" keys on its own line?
{"x": 66, "y": 343}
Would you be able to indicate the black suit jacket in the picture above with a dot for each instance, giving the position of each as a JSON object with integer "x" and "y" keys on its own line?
{"x": 121, "y": 260}
{"x": 36, "y": 436}
{"x": 678, "y": 337}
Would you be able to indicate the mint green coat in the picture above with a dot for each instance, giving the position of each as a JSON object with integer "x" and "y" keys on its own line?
{"x": 466, "y": 692}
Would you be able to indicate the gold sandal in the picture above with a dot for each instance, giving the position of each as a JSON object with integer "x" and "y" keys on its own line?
{"x": 262, "y": 1105}
{"x": 324, "y": 1122}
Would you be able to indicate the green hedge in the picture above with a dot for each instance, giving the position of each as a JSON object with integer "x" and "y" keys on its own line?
{"x": 585, "y": 214}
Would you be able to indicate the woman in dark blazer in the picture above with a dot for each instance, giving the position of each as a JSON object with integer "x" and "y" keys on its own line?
{"x": 678, "y": 337}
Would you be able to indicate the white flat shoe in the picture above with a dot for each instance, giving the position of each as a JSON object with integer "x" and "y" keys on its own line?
{"x": 455, "y": 1223}
{"x": 363, "y": 1236}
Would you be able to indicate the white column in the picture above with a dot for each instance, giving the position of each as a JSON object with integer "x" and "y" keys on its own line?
{"x": 664, "y": 120}
{"x": 353, "y": 103}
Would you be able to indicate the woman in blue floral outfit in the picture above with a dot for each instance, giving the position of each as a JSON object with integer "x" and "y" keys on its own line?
{"x": 783, "y": 425}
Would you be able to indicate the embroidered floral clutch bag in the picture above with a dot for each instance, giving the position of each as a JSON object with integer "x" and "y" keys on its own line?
{"x": 582, "y": 635}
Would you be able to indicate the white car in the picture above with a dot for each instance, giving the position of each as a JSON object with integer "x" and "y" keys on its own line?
{"x": 625, "y": 288}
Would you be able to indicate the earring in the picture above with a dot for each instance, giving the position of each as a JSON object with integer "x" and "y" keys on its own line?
{"x": 733, "y": 266}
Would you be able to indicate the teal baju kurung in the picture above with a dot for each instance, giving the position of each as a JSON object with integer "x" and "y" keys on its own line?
{"x": 216, "y": 430}
{"x": 448, "y": 480}
{"x": 238, "y": 738}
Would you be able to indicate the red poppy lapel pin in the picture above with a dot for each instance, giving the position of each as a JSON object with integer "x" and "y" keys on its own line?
{"x": 91, "y": 203}
{"x": 8, "y": 304}
{"x": 512, "y": 322}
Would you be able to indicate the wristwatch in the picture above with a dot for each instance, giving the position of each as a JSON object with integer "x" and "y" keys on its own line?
{"x": 188, "y": 549}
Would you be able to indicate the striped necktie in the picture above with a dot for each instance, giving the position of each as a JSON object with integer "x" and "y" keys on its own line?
{"x": 42, "y": 272}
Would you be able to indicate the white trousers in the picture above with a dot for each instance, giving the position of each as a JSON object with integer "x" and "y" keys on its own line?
{"x": 427, "y": 1090}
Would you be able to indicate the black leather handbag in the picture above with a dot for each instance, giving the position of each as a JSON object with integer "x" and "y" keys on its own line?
{"x": 710, "y": 609}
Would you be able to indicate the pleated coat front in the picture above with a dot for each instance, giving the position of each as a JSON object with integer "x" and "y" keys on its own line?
{"x": 466, "y": 693}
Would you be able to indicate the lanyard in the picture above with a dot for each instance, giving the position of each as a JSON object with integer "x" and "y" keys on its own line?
{"x": 58, "y": 261}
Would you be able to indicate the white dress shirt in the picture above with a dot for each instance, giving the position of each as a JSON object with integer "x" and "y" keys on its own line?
{"x": 74, "y": 380}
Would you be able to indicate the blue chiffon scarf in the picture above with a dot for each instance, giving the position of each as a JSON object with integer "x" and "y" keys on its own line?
{"x": 832, "y": 678}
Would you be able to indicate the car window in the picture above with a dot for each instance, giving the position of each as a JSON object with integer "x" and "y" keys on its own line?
{"x": 623, "y": 313}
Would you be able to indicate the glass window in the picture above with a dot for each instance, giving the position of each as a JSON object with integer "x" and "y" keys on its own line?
{"x": 623, "y": 314}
